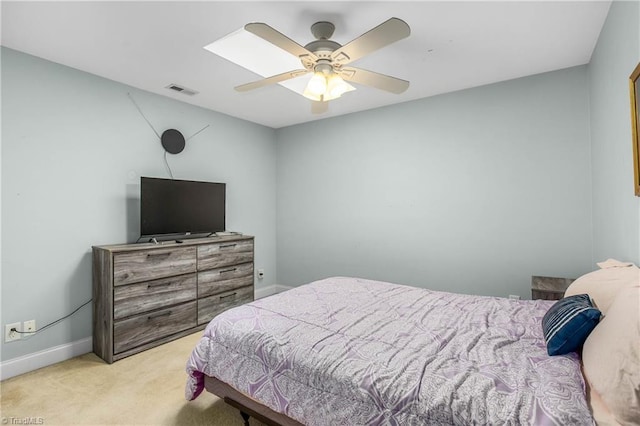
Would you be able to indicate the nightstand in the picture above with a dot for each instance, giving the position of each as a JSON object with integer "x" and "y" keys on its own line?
{"x": 549, "y": 288}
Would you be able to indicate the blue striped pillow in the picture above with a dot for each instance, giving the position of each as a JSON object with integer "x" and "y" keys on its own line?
{"x": 568, "y": 322}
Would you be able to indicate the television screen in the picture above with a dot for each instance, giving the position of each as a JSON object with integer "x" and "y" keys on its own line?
{"x": 183, "y": 207}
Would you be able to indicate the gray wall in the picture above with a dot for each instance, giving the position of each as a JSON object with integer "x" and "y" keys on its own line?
{"x": 616, "y": 211}
{"x": 471, "y": 192}
{"x": 73, "y": 149}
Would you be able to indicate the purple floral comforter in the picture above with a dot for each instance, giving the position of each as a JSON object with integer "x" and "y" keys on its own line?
{"x": 345, "y": 351}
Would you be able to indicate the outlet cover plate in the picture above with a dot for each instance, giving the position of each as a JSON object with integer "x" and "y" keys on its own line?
{"x": 29, "y": 327}
{"x": 8, "y": 335}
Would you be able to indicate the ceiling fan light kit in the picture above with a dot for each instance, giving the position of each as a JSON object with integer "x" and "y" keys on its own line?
{"x": 336, "y": 87}
{"x": 325, "y": 85}
{"x": 316, "y": 87}
{"x": 326, "y": 59}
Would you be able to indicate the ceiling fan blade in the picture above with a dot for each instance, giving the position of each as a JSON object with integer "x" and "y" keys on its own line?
{"x": 319, "y": 107}
{"x": 384, "y": 34}
{"x": 271, "y": 80}
{"x": 275, "y": 37}
{"x": 374, "y": 79}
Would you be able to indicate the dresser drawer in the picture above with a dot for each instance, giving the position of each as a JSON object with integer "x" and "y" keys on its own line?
{"x": 223, "y": 254}
{"x": 141, "y": 329}
{"x": 211, "y": 306}
{"x": 143, "y": 297}
{"x": 136, "y": 266}
{"x": 220, "y": 280}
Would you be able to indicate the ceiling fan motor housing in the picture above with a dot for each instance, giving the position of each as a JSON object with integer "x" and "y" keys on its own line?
{"x": 323, "y": 48}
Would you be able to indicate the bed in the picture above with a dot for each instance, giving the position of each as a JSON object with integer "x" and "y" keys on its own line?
{"x": 349, "y": 351}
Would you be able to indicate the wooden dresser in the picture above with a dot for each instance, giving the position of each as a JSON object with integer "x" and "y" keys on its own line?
{"x": 145, "y": 295}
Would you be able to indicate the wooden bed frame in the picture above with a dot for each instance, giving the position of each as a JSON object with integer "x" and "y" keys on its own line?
{"x": 248, "y": 407}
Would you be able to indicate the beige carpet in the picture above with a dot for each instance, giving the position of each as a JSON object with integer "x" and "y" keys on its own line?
{"x": 146, "y": 388}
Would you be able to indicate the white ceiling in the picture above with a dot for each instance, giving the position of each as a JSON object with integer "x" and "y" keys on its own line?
{"x": 453, "y": 45}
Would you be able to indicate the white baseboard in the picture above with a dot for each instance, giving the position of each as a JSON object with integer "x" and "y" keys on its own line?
{"x": 30, "y": 362}
{"x": 280, "y": 288}
{"x": 259, "y": 293}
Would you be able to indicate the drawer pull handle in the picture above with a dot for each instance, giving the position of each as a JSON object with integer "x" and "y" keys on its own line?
{"x": 228, "y": 295}
{"x": 161, "y": 314}
{"x": 159, "y": 254}
{"x": 227, "y": 245}
{"x": 156, "y": 285}
{"x": 228, "y": 270}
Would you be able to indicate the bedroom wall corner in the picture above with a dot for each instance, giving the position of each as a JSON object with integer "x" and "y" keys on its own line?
{"x": 471, "y": 192}
{"x": 74, "y": 146}
{"x": 616, "y": 211}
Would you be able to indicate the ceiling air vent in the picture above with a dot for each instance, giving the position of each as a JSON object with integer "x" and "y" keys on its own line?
{"x": 181, "y": 89}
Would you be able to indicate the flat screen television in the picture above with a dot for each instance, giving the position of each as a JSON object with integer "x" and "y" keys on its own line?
{"x": 180, "y": 208}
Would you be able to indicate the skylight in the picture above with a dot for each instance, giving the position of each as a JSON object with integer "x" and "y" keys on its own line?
{"x": 259, "y": 56}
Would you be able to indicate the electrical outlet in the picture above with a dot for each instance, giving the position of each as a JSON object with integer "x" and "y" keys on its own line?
{"x": 514, "y": 297}
{"x": 10, "y": 336}
{"x": 29, "y": 327}
{"x": 260, "y": 274}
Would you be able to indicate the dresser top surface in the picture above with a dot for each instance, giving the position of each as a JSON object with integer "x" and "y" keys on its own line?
{"x": 172, "y": 243}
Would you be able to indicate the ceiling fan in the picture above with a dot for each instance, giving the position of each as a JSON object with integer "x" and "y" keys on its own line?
{"x": 326, "y": 59}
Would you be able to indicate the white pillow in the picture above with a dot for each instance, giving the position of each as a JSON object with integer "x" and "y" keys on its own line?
{"x": 612, "y": 263}
{"x": 603, "y": 285}
{"x": 611, "y": 356}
